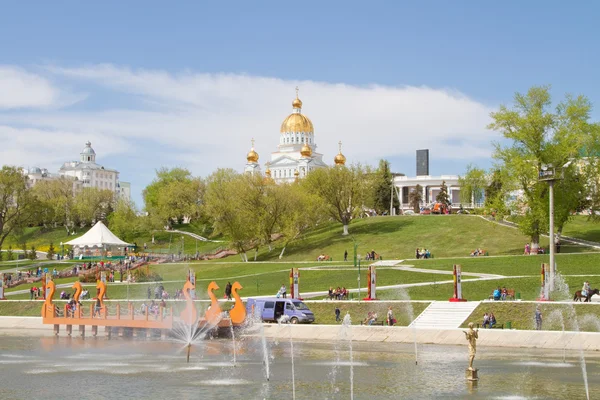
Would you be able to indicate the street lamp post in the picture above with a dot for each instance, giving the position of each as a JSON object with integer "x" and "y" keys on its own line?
{"x": 359, "y": 278}
{"x": 182, "y": 248}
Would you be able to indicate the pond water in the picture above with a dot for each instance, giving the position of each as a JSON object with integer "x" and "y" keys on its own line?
{"x": 96, "y": 368}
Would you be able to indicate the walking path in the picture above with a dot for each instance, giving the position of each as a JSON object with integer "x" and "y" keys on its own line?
{"x": 195, "y": 236}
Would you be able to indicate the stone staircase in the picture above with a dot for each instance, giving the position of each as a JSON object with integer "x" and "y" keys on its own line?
{"x": 445, "y": 314}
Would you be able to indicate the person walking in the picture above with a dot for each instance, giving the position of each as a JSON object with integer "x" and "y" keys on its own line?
{"x": 337, "y": 314}
{"x": 345, "y": 255}
{"x": 228, "y": 290}
{"x": 538, "y": 319}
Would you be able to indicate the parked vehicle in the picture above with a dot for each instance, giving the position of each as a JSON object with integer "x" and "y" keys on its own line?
{"x": 271, "y": 309}
{"x": 425, "y": 211}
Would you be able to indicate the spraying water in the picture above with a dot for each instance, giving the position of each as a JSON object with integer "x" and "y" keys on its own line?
{"x": 403, "y": 295}
{"x": 557, "y": 315}
{"x": 233, "y": 342}
{"x": 347, "y": 331}
{"x": 293, "y": 372}
{"x": 560, "y": 291}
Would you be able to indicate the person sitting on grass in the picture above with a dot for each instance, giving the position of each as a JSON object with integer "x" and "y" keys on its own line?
{"x": 486, "y": 320}
{"x": 492, "y": 320}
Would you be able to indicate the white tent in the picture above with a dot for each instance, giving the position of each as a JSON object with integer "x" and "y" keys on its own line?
{"x": 98, "y": 236}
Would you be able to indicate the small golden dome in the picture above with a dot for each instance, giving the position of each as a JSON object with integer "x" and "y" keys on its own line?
{"x": 252, "y": 155}
{"x": 297, "y": 103}
{"x": 306, "y": 151}
{"x": 297, "y": 173}
{"x": 340, "y": 159}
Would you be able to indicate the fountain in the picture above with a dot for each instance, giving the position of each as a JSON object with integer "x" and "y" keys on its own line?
{"x": 560, "y": 291}
{"x": 346, "y": 333}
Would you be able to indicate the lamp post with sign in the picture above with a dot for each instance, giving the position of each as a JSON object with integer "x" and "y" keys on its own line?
{"x": 549, "y": 174}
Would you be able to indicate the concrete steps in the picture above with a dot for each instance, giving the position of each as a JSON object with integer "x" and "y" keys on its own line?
{"x": 444, "y": 314}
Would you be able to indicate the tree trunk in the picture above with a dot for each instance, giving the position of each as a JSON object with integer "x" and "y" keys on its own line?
{"x": 535, "y": 243}
{"x": 255, "y": 253}
{"x": 345, "y": 230}
{"x": 270, "y": 247}
{"x": 281, "y": 254}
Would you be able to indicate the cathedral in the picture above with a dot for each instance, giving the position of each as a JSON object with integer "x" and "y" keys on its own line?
{"x": 296, "y": 153}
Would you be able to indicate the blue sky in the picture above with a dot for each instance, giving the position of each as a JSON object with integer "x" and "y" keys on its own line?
{"x": 190, "y": 83}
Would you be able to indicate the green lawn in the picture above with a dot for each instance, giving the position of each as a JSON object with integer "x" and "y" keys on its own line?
{"x": 527, "y": 288}
{"x": 581, "y": 227}
{"x": 521, "y": 315}
{"x": 397, "y": 238}
{"x": 571, "y": 264}
{"x": 404, "y": 312}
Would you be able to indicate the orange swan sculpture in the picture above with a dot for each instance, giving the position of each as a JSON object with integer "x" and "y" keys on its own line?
{"x": 78, "y": 290}
{"x": 102, "y": 286}
{"x": 48, "y": 309}
{"x": 213, "y": 313}
{"x": 189, "y": 314}
{"x": 238, "y": 312}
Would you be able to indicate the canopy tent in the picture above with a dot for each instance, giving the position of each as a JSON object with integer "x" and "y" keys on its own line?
{"x": 98, "y": 236}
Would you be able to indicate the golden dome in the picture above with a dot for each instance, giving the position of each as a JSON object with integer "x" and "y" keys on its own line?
{"x": 340, "y": 159}
{"x": 306, "y": 151}
{"x": 297, "y": 122}
{"x": 252, "y": 155}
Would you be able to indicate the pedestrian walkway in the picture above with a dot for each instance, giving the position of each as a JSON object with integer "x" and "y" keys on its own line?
{"x": 445, "y": 314}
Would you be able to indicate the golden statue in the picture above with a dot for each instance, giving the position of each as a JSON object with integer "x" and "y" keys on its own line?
{"x": 472, "y": 336}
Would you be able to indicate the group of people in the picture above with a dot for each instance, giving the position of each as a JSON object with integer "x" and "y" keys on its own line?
{"x": 324, "y": 257}
{"x": 372, "y": 256}
{"x": 338, "y": 293}
{"x": 477, "y": 252}
{"x": 530, "y": 250}
{"x": 422, "y": 253}
{"x": 372, "y": 317}
{"x": 489, "y": 320}
{"x": 154, "y": 308}
{"x": 159, "y": 293}
{"x": 500, "y": 294}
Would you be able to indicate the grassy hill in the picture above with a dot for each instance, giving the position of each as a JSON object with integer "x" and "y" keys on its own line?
{"x": 398, "y": 237}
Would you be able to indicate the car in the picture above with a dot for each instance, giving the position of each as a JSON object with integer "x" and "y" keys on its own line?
{"x": 273, "y": 309}
{"x": 425, "y": 211}
{"x": 409, "y": 212}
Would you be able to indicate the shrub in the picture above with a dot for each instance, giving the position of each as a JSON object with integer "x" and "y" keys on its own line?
{"x": 141, "y": 275}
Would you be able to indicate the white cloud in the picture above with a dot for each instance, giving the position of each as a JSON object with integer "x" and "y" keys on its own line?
{"x": 22, "y": 89}
{"x": 205, "y": 121}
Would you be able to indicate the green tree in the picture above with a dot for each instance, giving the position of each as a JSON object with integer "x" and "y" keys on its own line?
{"x": 18, "y": 205}
{"x": 590, "y": 168}
{"x": 93, "y": 204}
{"x": 415, "y": 197}
{"x": 442, "y": 196}
{"x": 304, "y": 211}
{"x": 342, "y": 189}
{"x": 25, "y": 251}
{"x": 124, "y": 221}
{"x": 51, "y": 252}
{"x": 536, "y": 136}
{"x": 382, "y": 189}
{"x": 32, "y": 253}
{"x": 472, "y": 185}
{"x": 173, "y": 196}
{"x": 57, "y": 202}
{"x": 224, "y": 206}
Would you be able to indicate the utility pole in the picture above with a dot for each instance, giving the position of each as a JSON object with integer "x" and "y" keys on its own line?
{"x": 392, "y": 197}
{"x": 552, "y": 247}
